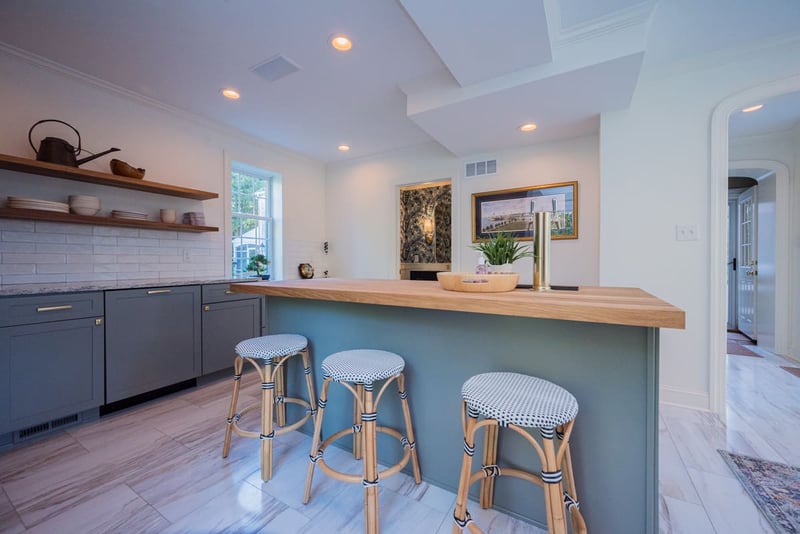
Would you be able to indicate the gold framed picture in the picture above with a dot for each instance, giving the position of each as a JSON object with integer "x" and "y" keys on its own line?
{"x": 511, "y": 211}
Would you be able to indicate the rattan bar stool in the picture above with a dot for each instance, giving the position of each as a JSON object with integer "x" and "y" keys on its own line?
{"x": 268, "y": 354}
{"x": 517, "y": 401}
{"x": 357, "y": 370}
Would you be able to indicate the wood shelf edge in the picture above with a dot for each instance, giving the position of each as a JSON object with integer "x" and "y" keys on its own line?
{"x": 31, "y": 166}
{"x": 54, "y": 216}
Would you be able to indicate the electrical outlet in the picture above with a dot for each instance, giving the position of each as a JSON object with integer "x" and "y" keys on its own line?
{"x": 685, "y": 232}
{"x": 186, "y": 258}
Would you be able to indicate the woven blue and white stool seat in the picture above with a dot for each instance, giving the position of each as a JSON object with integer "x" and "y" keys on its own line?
{"x": 362, "y": 366}
{"x": 518, "y": 399}
{"x": 273, "y": 346}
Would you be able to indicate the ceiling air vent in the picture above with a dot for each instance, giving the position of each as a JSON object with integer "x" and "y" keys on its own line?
{"x": 275, "y": 68}
{"x": 480, "y": 168}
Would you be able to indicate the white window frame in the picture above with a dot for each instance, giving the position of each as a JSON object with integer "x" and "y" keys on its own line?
{"x": 272, "y": 217}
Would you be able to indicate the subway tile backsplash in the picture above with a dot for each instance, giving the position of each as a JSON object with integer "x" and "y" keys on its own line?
{"x": 47, "y": 252}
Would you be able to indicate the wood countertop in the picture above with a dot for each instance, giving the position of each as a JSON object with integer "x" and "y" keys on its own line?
{"x": 608, "y": 305}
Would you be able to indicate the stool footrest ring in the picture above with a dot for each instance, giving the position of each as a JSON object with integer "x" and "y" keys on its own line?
{"x": 359, "y": 478}
{"x": 234, "y": 422}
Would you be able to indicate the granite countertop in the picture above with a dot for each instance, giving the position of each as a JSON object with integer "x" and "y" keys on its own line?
{"x": 13, "y": 290}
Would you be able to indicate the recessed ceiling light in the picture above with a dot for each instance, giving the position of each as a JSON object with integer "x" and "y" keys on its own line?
{"x": 527, "y": 127}
{"x": 753, "y": 108}
{"x": 230, "y": 93}
{"x": 341, "y": 43}
{"x": 343, "y": 148}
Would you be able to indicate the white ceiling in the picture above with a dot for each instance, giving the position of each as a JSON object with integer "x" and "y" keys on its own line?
{"x": 464, "y": 73}
{"x": 779, "y": 113}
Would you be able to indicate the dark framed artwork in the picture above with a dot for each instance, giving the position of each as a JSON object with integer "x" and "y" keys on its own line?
{"x": 511, "y": 210}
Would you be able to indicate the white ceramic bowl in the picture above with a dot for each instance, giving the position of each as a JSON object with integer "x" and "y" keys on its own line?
{"x": 84, "y": 200}
{"x": 79, "y": 210}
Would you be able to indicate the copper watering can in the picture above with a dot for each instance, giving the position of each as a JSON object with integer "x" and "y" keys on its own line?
{"x": 55, "y": 150}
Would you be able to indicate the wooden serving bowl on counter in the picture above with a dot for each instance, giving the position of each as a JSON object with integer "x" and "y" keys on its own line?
{"x": 478, "y": 283}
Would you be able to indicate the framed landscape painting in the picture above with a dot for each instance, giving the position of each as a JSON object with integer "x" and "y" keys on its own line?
{"x": 511, "y": 211}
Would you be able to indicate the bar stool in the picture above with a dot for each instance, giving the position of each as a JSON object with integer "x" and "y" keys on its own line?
{"x": 357, "y": 370}
{"x": 268, "y": 355}
{"x": 517, "y": 401}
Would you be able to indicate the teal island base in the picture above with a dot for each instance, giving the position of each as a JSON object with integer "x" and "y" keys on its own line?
{"x": 611, "y": 369}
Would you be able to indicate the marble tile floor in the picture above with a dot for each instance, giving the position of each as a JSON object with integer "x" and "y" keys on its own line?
{"x": 157, "y": 468}
{"x": 698, "y": 492}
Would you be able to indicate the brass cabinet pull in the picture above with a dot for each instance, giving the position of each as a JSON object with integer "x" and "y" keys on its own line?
{"x": 54, "y": 308}
{"x": 158, "y": 291}
{"x": 98, "y": 321}
{"x": 228, "y": 292}
{"x": 206, "y": 308}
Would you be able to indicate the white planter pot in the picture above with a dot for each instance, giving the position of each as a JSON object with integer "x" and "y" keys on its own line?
{"x": 505, "y": 268}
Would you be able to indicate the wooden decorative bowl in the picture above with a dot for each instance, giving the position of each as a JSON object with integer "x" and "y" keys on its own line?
{"x": 120, "y": 168}
{"x": 478, "y": 283}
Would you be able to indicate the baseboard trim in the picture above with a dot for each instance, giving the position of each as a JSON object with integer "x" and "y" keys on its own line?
{"x": 684, "y": 398}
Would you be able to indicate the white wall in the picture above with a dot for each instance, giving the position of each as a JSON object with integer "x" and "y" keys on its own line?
{"x": 655, "y": 174}
{"x": 363, "y": 208}
{"x": 175, "y": 148}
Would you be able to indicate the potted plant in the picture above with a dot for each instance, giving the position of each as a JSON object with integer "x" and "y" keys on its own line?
{"x": 258, "y": 263}
{"x": 501, "y": 250}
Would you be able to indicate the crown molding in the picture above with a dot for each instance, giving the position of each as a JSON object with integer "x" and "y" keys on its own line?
{"x": 636, "y": 15}
{"x": 139, "y": 98}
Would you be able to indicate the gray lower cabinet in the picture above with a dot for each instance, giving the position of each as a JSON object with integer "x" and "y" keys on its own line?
{"x": 228, "y": 318}
{"x": 51, "y": 358}
{"x": 153, "y": 339}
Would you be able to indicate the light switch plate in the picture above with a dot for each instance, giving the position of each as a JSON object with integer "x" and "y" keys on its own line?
{"x": 685, "y": 232}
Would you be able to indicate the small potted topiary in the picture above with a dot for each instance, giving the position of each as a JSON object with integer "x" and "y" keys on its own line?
{"x": 501, "y": 250}
{"x": 258, "y": 263}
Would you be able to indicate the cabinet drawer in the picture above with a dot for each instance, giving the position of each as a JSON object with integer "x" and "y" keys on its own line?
{"x": 222, "y": 293}
{"x": 45, "y": 308}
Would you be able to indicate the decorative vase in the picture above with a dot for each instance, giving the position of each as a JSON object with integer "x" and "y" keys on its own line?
{"x": 505, "y": 268}
{"x": 265, "y": 277}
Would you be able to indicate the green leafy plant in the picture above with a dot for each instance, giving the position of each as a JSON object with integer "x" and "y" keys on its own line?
{"x": 258, "y": 263}
{"x": 502, "y": 248}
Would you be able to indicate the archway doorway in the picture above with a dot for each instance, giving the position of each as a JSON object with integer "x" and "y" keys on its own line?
{"x": 719, "y": 235}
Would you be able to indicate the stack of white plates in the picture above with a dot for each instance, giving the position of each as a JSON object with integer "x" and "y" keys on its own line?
{"x": 36, "y": 204}
{"x": 196, "y": 218}
{"x": 84, "y": 204}
{"x": 121, "y": 214}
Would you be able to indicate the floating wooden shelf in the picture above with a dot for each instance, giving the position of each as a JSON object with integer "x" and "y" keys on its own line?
{"x": 31, "y": 166}
{"x": 55, "y": 216}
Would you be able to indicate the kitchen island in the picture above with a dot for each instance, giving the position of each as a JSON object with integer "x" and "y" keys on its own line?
{"x": 601, "y": 344}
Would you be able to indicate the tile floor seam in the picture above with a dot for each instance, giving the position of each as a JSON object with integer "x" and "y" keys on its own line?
{"x": 689, "y": 476}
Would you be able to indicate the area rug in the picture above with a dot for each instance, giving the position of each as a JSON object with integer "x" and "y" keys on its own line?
{"x": 774, "y": 487}
{"x": 794, "y": 370}
{"x": 740, "y": 350}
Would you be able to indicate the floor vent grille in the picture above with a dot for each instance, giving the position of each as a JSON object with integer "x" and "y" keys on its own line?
{"x": 44, "y": 428}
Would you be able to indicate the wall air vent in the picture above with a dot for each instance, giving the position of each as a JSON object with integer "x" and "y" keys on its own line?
{"x": 45, "y": 428}
{"x": 275, "y": 68}
{"x": 480, "y": 168}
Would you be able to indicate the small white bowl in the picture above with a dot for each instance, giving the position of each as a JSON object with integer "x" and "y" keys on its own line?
{"x": 82, "y": 210}
{"x": 84, "y": 199}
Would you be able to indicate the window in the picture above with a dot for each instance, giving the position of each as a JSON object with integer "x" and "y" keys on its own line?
{"x": 251, "y": 216}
